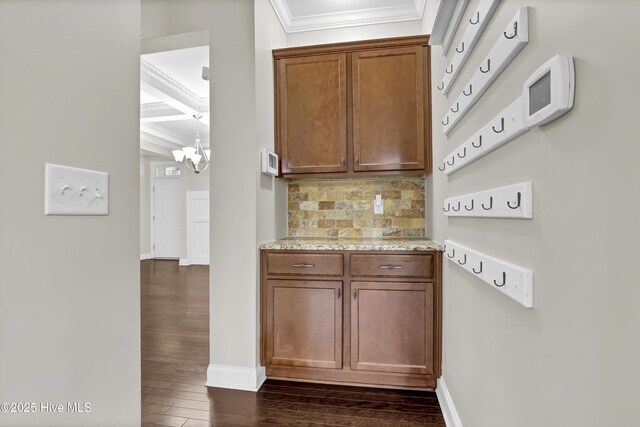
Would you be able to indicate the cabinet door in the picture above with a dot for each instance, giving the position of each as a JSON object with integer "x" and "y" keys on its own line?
{"x": 388, "y": 109}
{"x": 392, "y": 327}
{"x": 312, "y": 109}
{"x": 304, "y": 323}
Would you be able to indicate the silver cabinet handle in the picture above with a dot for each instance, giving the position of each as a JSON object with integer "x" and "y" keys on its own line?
{"x": 391, "y": 267}
{"x": 339, "y": 292}
{"x": 343, "y": 162}
{"x": 304, "y": 265}
{"x": 357, "y": 161}
{"x": 355, "y": 293}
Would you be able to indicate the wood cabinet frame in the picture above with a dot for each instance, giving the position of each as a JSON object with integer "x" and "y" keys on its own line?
{"x": 347, "y": 375}
{"x": 349, "y": 48}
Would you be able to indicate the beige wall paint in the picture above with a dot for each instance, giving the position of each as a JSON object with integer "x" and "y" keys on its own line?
{"x": 271, "y": 194}
{"x": 69, "y": 285}
{"x": 572, "y": 359}
{"x": 233, "y": 172}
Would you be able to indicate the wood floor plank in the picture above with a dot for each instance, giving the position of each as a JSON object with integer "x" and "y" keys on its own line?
{"x": 163, "y": 420}
{"x": 151, "y": 408}
{"x": 175, "y": 357}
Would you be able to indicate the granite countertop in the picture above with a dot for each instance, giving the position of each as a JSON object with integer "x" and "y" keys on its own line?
{"x": 354, "y": 244}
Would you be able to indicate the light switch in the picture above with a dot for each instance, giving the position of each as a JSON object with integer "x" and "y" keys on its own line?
{"x": 378, "y": 205}
{"x": 74, "y": 191}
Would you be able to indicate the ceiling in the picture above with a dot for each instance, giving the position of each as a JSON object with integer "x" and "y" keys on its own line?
{"x": 171, "y": 92}
{"x": 309, "y": 15}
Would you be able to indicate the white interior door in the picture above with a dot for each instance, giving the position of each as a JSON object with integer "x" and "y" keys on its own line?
{"x": 198, "y": 227}
{"x": 166, "y": 219}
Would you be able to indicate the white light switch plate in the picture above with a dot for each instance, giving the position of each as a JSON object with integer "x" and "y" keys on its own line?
{"x": 74, "y": 191}
{"x": 378, "y": 205}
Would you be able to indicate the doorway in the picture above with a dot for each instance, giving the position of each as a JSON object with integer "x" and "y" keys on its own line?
{"x": 174, "y": 223}
{"x": 165, "y": 210}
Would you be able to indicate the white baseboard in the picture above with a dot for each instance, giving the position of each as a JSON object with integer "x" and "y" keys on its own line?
{"x": 145, "y": 256}
{"x": 199, "y": 260}
{"x": 184, "y": 262}
{"x": 236, "y": 377}
{"x": 451, "y": 417}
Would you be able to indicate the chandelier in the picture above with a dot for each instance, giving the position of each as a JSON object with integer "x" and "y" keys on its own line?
{"x": 196, "y": 157}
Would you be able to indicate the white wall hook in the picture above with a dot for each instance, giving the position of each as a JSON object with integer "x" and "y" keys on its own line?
{"x": 503, "y": 52}
{"x": 475, "y": 27}
{"x": 512, "y": 280}
{"x": 511, "y": 201}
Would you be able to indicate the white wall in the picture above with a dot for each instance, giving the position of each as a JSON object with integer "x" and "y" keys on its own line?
{"x": 69, "y": 285}
{"x": 572, "y": 359}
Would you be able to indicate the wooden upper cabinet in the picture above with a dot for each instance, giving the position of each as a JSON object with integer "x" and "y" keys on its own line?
{"x": 388, "y": 109}
{"x": 312, "y": 96}
{"x": 354, "y": 108}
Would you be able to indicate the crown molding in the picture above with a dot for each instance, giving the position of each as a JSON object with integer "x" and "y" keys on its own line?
{"x": 351, "y": 18}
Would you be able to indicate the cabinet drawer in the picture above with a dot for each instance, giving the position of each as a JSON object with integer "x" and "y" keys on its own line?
{"x": 384, "y": 265}
{"x": 306, "y": 264}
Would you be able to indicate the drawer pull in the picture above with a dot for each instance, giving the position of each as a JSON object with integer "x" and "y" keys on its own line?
{"x": 391, "y": 267}
{"x": 304, "y": 265}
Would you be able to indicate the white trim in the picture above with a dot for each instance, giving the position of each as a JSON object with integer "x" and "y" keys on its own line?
{"x": 145, "y": 256}
{"x": 235, "y": 377}
{"x": 451, "y": 417}
{"x": 183, "y": 262}
{"x": 351, "y": 18}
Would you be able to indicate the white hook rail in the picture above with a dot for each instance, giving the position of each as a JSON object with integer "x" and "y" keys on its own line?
{"x": 511, "y": 201}
{"x": 503, "y": 128}
{"x": 512, "y": 280}
{"x": 476, "y": 25}
{"x": 509, "y": 44}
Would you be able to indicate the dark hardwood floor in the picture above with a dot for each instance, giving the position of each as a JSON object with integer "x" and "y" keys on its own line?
{"x": 175, "y": 356}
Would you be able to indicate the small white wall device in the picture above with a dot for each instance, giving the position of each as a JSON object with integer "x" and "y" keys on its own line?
{"x": 546, "y": 95}
{"x": 548, "y": 92}
{"x": 269, "y": 162}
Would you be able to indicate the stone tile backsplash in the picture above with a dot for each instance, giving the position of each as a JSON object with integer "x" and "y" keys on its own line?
{"x": 344, "y": 208}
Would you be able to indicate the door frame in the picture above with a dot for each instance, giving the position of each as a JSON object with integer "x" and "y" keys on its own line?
{"x": 152, "y": 199}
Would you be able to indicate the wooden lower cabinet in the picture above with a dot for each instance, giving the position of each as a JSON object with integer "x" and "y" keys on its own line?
{"x": 391, "y": 327}
{"x": 305, "y": 326}
{"x": 376, "y": 326}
